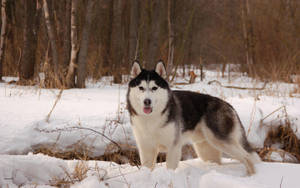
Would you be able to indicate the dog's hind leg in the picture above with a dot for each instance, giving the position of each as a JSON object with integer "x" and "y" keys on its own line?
{"x": 233, "y": 148}
{"x": 207, "y": 152}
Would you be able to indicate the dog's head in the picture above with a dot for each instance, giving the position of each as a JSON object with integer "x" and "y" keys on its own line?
{"x": 148, "y": 90}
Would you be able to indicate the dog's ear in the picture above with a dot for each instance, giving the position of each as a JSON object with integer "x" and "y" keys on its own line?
{"x": 161, "y": 69}
{"x": 135, "y": 69}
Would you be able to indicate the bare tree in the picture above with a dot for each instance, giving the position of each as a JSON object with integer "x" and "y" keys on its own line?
{"x": 117, "y": 42}
{"x": 32, "y": 17}
{"x": 106, "y": 36}
{"x": 82, "y": 56}
{"x": 134, "y": 29}
{"x": 52, "y": 38}
{"x": 171, "y": 36}
{"x": 263, "y": 36}
{"x": 70, "y": 79}
{"x": 3, "y": 36}
{"x": 67, "y": 34}
{"x": 248, "y": 35}
{"x": 60, "y": 12}
{"x": 156, "y": 9}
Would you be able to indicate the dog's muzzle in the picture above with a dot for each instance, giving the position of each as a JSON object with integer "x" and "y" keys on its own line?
{"x": 147, "y": 106}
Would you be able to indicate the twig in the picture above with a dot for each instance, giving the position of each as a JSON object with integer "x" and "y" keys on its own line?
{"x": 68, "y": 174}
{"x": 85, "y": 128}
{"x": 101, "y": 177}
{"x": 281, "y": 181}
{"x": 56, "y": 101}
{"x": 128, "y": 185}
{"x": 271, "y": 113}
{"x": 119, "y": 175}
{"x": 236, "y": 87}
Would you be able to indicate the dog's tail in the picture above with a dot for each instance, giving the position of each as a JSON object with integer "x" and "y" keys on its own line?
{"x": 247, "y": 146}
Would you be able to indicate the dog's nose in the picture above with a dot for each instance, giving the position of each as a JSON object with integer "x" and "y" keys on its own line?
{"x": 147, "y": 102}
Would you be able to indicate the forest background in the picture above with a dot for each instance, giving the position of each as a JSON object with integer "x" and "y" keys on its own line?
{"x": 67, "y": 41}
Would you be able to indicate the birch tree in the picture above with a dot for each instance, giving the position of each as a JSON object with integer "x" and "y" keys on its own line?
{"x": 70, "y": 79}
{"x": 52, "y": 38}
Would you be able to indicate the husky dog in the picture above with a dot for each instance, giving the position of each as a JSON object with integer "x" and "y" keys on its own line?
{"x": 164, "y": 120}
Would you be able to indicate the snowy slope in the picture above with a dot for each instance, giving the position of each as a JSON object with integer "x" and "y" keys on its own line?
{"x": 101, "y": 107}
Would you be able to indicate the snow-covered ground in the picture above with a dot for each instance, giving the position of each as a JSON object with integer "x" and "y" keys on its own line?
{"x": 101, "y": 107}
{"x": 30, "y": 170}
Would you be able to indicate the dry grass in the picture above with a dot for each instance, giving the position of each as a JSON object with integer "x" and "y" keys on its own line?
{"x": 297, "y": 88}
{"x": 283, "y": 136}
{"x": 79, "y": 173}
{"x": 79, "y": 152}
{"x": 127, "y": 153}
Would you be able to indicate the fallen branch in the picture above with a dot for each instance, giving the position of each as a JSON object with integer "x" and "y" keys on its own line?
{"x": 82, "y": 128}
{"x": 120, "y": 150}
{"x": 236, "y": 87}
{"x": 181, "y": 83}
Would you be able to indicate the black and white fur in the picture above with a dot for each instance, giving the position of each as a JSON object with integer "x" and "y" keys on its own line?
{"x": 164, "y": 120}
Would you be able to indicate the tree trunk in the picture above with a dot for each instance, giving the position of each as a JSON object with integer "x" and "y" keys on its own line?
{"x": 153, "y": 46}
{"x": 201, "y": 69}
{"x": 82, "y": 57}
{"x": 117, "y": 42}
{"x": 171, "y": 36}
{"x": 3, "y": 36}
{"x": 70, "y": 78}
{"x": 52, "y": 38}
{"x": 67, "y": 34}
{"x": 248, "y": 36}
{"x": 106, "y": 37}
{"x": 134, "y": 30}
{"x": 32, "y": 17}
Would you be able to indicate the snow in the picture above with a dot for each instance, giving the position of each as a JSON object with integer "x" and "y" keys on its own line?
{"x": 29, "y": 170}
{"x": 101, "y": 107}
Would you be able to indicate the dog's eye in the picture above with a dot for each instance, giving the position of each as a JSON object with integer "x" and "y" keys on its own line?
{"x": 141, "y": 88}
{"x": 154, "y": 88}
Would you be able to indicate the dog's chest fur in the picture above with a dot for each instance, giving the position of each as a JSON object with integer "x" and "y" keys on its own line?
{"x": 154, "y": 131}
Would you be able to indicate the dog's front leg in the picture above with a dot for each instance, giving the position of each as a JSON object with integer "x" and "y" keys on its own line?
{"x": 173, "y": 157}
{"x": 147, "y": 150}
{"x": 148, "y": 155}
